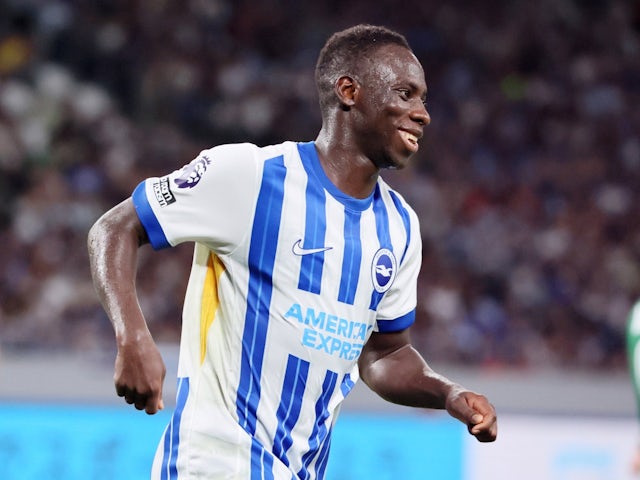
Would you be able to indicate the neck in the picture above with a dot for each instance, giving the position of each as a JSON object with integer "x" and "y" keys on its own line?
{"x": 345, "y": 164}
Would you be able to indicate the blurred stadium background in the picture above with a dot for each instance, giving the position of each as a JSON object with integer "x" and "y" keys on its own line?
{"x": 526, "y": 184}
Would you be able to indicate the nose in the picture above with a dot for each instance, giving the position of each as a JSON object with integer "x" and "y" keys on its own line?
{"x": 421, "y": 115}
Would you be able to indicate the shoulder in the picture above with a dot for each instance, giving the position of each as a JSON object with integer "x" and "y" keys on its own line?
{"x": 397, "y": 200}
{"x": 231, "y": 159}
{"x": 247, "y": 152}
{"x": 229, "y": 152}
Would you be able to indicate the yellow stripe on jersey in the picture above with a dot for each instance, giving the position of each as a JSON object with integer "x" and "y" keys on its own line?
{"x": 210, "y": 300}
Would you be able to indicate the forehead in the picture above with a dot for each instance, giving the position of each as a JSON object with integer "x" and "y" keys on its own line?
{"x": 394, "y": 63}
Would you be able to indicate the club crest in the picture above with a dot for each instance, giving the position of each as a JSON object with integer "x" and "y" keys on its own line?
{"x": 383, "y": 270}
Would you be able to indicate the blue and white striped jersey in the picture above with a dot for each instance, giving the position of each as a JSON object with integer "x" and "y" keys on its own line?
{"x": 289, "y": 278}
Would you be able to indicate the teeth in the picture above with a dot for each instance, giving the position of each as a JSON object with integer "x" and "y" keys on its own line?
{"x": 410, "y": 137}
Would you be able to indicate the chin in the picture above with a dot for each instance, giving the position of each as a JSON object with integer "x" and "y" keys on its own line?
{"x": 399, "y": 164}
{"x": 396, "y": 160}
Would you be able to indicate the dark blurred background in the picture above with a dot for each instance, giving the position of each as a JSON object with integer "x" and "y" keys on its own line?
{"x": 527, "y": 181}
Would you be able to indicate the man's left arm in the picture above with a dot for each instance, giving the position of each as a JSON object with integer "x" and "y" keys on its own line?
{"x": 396, "y": 371}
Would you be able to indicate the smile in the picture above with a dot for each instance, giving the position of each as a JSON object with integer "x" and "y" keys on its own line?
{"x": 410, "y": 139}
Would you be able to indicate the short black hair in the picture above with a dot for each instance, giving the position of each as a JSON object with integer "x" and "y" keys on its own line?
{"x": 343, "y": 52}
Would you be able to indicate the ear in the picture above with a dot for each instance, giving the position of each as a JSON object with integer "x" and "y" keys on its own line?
{"x": 346, "y": 89}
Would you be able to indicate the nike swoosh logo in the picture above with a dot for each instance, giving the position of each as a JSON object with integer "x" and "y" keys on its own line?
{"x": 298, "y": 250}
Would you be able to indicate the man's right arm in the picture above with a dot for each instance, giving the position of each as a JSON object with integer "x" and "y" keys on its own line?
{"x": 113, "y": 243}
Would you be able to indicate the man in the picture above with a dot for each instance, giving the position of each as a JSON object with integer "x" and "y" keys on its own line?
{"x": 303, "y": 279}
{"x": 633, "y": 356}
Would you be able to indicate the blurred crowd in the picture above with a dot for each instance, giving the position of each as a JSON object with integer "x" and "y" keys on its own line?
{"x": 526, "y": 183}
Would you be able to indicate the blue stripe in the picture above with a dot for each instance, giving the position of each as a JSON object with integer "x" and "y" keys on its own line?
{"x": 397, "y": 324}
{"x": 262, "y": 253}
{"x": 319, "y": 439}
{"x": 261, "y": 462}
{"x": 346, "y": 385}
{"x": 352, "y": 257}
{"x": 148, "y": 219}
{"x": 172, "y": 433}
{"x": 382, "y": 229}
{"x": 288, "y": 412}
{"x": 323, "y": 457}
{"x": 404, "y": 214}
{"x": 315, "y": 228}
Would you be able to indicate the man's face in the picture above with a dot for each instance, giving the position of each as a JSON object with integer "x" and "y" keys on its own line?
{"x": 390, "y": 107}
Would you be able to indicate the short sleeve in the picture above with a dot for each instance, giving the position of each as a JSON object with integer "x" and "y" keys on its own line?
{"x": 210, "y": 200}
{"x": 397, "y": 310}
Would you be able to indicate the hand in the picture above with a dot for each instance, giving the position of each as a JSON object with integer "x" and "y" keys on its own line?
{"x": 139, "y": 375}
{"x": 475, "y": 411}
{"x": 635, "y": 462}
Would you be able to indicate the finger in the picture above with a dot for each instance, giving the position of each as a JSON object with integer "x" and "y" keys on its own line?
{"x": 140, "y": 403}
{"x": 461, "y": 410}
{"x": 154, "y": 404}
{"x": 476, "y": 418}
{"x": 485, "y": 431}
{"x": 486, "y": 436}
{"x": 481, "y": 421}
{"x": 484, "y": 408}
{"x": 121, "y": 390}
{"x": 132, "y": 397}
{"x": 480, "y": 429}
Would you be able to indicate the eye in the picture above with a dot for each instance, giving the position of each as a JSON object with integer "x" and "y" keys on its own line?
{"x": 404, "y": 93}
